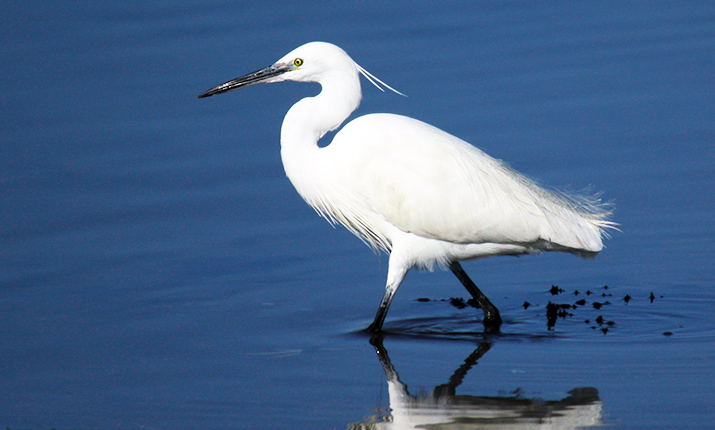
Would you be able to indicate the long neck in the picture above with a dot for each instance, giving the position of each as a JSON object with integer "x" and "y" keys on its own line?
{"x": 309, "y": 119}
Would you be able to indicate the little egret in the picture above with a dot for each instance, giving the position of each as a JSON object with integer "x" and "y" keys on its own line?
{"x": 412, "y": 190}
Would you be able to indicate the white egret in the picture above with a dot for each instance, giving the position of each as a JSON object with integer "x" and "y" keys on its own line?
{"x": 414, "y": 191}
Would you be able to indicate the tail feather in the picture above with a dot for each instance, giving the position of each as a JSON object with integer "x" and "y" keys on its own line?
{"x": 576, "y": 222}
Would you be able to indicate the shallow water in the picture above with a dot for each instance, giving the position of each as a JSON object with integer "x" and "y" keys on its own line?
{"x": 159, "y": 271}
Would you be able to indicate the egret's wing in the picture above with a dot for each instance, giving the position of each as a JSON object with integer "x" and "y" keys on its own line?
{"x": 430, "y": 183}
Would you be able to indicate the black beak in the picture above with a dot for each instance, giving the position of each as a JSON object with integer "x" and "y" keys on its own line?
{"x": 256, "y": 77}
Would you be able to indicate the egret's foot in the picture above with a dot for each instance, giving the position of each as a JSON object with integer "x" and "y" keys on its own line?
{"x": 374, "y": 328}
{"x": 492, "y": 320}
{"x": 376, "y": 340}
{"x": 491, "y": 327}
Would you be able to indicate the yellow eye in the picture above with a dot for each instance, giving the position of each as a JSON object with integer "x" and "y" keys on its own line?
{"x": 298, "y": 62}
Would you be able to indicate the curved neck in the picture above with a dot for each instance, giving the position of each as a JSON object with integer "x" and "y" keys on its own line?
{"x": 309, "y": 119}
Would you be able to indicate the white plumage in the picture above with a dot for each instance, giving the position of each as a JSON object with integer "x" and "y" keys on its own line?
{"x": 410, "y": 189}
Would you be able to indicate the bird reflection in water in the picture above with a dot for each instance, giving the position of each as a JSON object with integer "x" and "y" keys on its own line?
{"x": 444, "y": 409}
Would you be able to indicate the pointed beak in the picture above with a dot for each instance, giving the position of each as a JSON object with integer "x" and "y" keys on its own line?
{"x": 257, "y": 77}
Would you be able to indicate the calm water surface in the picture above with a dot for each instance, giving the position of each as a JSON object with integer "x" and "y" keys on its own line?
{"x": 159, "y": 271}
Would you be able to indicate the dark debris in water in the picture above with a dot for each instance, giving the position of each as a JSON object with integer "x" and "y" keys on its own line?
{"x": 598, "y": 305}
{"x": 563, "y": 311}
{"x": 556, "y": 311}
{"x": 652, "y": 297}
{"x": 555, "y": 290}
{"x": 457, "y": 302}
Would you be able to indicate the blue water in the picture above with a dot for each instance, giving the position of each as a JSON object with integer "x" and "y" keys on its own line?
{"x": 159, "y": 271}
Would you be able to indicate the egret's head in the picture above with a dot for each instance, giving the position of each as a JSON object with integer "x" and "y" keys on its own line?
{"x": 312, "y": 61}
{"x": 307, "y": 63}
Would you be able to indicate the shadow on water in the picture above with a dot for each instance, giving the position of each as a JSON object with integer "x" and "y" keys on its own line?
{"x": 445, "y": 409}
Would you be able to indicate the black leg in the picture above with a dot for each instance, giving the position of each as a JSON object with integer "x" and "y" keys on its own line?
{"x": 492, "y": 319}
{"x": 395, "y": 274}
{"x": 376, "y": 325}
